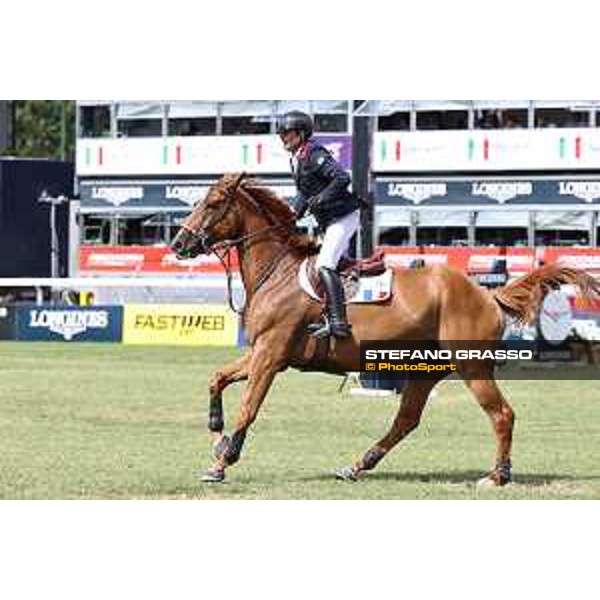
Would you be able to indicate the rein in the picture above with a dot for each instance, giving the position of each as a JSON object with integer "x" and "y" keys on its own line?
{"x": 226, "y": 256}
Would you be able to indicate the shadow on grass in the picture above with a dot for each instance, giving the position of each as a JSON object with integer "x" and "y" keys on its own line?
{"x": 460, "y": 477}
{"x": 261, "y": 488}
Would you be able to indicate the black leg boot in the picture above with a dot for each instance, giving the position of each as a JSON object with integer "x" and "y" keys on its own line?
{"x": 337, "y": 324}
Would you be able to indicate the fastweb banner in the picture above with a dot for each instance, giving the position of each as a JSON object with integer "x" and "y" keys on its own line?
{"x": 180, "y": 324}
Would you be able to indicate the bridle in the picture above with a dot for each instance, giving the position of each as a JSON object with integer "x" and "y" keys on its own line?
{"x": 222, "y": 249}
{"x": 198, "y": 234}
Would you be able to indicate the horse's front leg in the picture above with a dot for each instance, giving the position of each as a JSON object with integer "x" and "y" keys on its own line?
{"x": 262, "y": 368}
{"x": 221, "y": 379}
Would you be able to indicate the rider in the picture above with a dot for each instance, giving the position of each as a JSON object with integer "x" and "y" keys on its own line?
{"x": 322, "y": 185}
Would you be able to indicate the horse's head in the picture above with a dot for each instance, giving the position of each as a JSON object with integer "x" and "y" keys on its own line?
{"x": 213, "y": 220}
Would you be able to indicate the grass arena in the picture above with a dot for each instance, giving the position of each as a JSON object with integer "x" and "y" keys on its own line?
{"x": 107, "y": 421}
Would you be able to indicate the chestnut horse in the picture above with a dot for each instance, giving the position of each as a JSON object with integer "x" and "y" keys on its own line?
{"x": 433, "y": 303}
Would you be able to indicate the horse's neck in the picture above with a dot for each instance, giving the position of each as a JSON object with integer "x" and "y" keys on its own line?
{"x": 260, "y": 253}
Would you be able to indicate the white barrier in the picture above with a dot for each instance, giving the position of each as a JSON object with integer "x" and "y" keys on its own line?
{"x": 121, "y": 290}
{"x": 211, "y": 281}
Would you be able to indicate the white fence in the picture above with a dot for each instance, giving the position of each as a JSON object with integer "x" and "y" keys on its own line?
{"x": 123, "y": 290}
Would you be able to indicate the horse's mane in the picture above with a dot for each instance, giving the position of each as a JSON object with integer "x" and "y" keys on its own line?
{"x": 275, "y": 206}
{"x": 281, "y": 212}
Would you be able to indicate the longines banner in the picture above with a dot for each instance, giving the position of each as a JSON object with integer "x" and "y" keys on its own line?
{"x": 180, "y": 324}
{"x": 69, "y": 324}
{"x": 488, "y": 191}
{"x": 148, "y": 195}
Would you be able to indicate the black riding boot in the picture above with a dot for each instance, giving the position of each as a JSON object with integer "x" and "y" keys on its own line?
{"x": 337, "y": 323}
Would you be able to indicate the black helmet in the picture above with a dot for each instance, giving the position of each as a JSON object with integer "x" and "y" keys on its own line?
{"x": 297, "y": 121}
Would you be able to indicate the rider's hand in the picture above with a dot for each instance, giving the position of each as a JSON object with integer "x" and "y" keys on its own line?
{"x": 314, "y": 202}
{"x": 297, "y": 230}
{"x": 301, "y": 212}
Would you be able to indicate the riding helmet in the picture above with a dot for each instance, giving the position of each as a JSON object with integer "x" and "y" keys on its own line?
{"x": 297, "y": 121}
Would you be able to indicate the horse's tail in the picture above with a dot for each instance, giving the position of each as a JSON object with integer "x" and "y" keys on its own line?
{"x": 523, "y": 298}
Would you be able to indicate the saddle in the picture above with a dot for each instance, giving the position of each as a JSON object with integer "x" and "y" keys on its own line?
{"x": 364, "y": 280}
{"x": 364, "y": 267}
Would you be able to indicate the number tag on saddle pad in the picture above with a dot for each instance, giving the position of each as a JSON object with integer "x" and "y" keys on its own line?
{"x": 373, "y": 289}
{"x": 366, "y": 290}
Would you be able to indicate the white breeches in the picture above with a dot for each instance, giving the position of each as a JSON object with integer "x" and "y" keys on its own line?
{"x": 336, "y": 240}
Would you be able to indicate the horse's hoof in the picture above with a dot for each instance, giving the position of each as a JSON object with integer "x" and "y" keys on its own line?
{"x": 220, "y": 447}
{"x": 212, "y": 476}
{"x": 345, "y": 474}
{"x": 486, "y": 482}
{"x": 491, "y": 482}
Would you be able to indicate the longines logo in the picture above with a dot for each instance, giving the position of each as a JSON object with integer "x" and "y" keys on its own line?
{"x": 417, "y": 192}
{"x": 501, "y": 191}
{"x": 585, "y": 190}
{"x": 117, "y": 195}
{"x": 68, "y": 323}
{"x": 190, "y": 194}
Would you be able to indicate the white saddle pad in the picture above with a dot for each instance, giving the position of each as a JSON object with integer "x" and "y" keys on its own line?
{"x": 366, "y": 290}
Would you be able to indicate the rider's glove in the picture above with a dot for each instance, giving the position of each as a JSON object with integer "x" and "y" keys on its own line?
{"x": 314, "y": 202}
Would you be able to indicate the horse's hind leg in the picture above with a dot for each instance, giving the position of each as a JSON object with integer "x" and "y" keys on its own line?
{"x": 502, "y": 417}
{"x": 414, "y": 398}
{"x": 225, "y": 376}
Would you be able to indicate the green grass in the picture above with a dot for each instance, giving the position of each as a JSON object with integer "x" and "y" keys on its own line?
{"x": 111, "y": 421}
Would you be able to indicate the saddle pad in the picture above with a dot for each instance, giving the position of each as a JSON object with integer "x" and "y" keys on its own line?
{"x": 366, "y": 290}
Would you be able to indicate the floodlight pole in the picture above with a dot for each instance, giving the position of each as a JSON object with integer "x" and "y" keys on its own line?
{"x": 44, "y": 198}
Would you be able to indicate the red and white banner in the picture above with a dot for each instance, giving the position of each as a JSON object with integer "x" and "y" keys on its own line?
{"x": 155, "y": 260}
{"x": 94, "y": 260}
{"x": 469, "y": 260}
{"x": 132, "y": 260}
{"x": 587, "y": 259}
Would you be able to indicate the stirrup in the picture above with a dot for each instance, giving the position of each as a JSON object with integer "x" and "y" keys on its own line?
{"x": 326, "y": 329}
{"x": 321, "y": 329}
{"x": 341, "y": 330}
